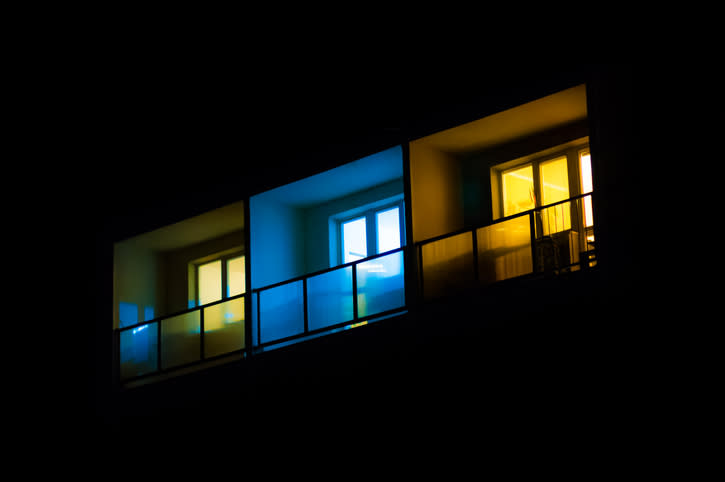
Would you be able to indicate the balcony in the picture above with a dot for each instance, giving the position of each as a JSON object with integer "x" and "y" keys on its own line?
{"x": 508, "y": 196}
{"x": 339, "y": 298}
{"x": 553, "y": 239}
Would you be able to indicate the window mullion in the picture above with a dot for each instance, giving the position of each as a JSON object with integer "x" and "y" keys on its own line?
{"x": 225, "y": 289}
{"x": 371, "y": 232}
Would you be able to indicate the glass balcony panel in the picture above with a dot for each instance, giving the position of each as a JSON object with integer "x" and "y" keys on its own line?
{"x": 504, "y": 250}
{"x": 224, "y": 327}
{"x": 180, "y": 339}
{"x": 447, "y": 265}
{"x": 138, "y": 349}
{"x": 329, "y": 298}
{"x": 282, "y": 312}
{"x": 380, "y": 284}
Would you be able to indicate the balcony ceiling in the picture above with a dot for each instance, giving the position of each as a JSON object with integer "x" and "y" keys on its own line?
{"x": 197, "y": 229}
{"x": 347, "y": 179}
{"x": 522, "y": 121}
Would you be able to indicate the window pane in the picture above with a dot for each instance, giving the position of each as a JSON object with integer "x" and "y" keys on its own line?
{"x": 554, "y": 188}
{"x": 380, "y": 284}
{"x": 354, "y": 240}
{"x": 504, "y": 250}
{"x": 281, "y": 311}
{"x": 388, "y": 225}
{"x": 138, "y": 351}
{"x": 224, "y": 327}
{"x": 554, "y": 181}
{"x": 210, "y": 282}
{"x": 235, "y": 276}
{"x": 518, "y": 190}
{"x": 329, "y": 298}
{"x": 585, "y": 171}
{"x": 180, "y": 339}
{"x": 447, "y": 264}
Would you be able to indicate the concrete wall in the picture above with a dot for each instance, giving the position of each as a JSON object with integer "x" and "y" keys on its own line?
{"x": 436, "y": 191}
{"x": 278, "y": 241}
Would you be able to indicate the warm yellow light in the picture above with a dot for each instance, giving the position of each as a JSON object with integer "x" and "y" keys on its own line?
{"x": 518, "y": 190}
{"x": 555, "y": 188}
{"x": 210, "y": 282}
{"x": 236, "y": 276}
{"x": 585, "y": 171}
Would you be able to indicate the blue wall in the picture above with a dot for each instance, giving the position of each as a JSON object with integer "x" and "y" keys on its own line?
{"x": 277, "y": 241}
{"x": 289, "y": 225}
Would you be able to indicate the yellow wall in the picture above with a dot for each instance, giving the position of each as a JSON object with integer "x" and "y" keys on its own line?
{"x": 436, "y": 191}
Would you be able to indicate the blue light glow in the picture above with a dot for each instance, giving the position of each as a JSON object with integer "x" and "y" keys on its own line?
{"x": 139, "y": 329}
{"x": 148, "y": 313}
{"x": 127, "y": 313}
{"x": 282, "y": 311}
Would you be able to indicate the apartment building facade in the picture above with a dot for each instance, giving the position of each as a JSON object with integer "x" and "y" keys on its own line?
{"x": 452, "y": 231}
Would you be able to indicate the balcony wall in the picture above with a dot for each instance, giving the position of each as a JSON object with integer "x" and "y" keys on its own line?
{"x": 290, "y": 225}
{"x": 151, "y": 270}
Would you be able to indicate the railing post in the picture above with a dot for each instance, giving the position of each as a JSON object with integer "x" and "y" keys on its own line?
{"x": 354, "y": 291}
{"x": 474, "y": 237}
{"x": 532, "y": 229}
{"x": 259, "y": 320}
{"x": 158, "y": 345}
{"x": 201, "y": 333}
{"x": 304, "y": 305}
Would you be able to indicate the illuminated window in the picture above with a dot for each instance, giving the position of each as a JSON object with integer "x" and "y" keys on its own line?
{"x": 354, "y": 240}
{"x": 555, "y": 188}
{"x": 219, "y": 278}
{"x": 585, "y": 174}
{"x": 547, "y": 182}
{"x": 373, "y": 231}
{"x": 518, "y": 190}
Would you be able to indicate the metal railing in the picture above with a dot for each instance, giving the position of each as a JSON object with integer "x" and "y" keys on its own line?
{"x": 554, "y": 238}
{"x": 329, "y": 299}
{"x": 181, "y": 339}
{"x": 549, "y": 239}
{"x": 217, "y": 330}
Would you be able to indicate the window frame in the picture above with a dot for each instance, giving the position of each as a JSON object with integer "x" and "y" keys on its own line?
{"x": 224, "y": 257}
{"x": 571, "y": 151}
{"x": 371, "y": 227}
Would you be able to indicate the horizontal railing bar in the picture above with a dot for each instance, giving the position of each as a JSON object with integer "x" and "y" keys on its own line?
{"x": 499, "y": 220}
{"x": 179, "y": 313}
{"x": 329, "y": 328}
{"x": 327, "y": 270}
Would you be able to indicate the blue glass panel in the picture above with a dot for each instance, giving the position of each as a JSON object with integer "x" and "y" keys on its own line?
{"x": 329, "y": 298}
{"x": 380, "y": 284}
{"x": 180, "y": 339}
{"x": 138, "y": 351}
{"x": 127, "y": 313}
{"x": 282, "y": 311}
{"x": 255, "y": 332}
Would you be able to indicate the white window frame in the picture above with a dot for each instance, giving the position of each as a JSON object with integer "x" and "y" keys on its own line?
{"x": 371, "y": 229}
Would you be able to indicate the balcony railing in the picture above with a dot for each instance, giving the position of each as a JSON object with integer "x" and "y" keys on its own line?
{"x": 554, "y": 238}
{"x": 344, "y": 296}
{"x": 186, "y": 338}
{"x": 551, "y": 239}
